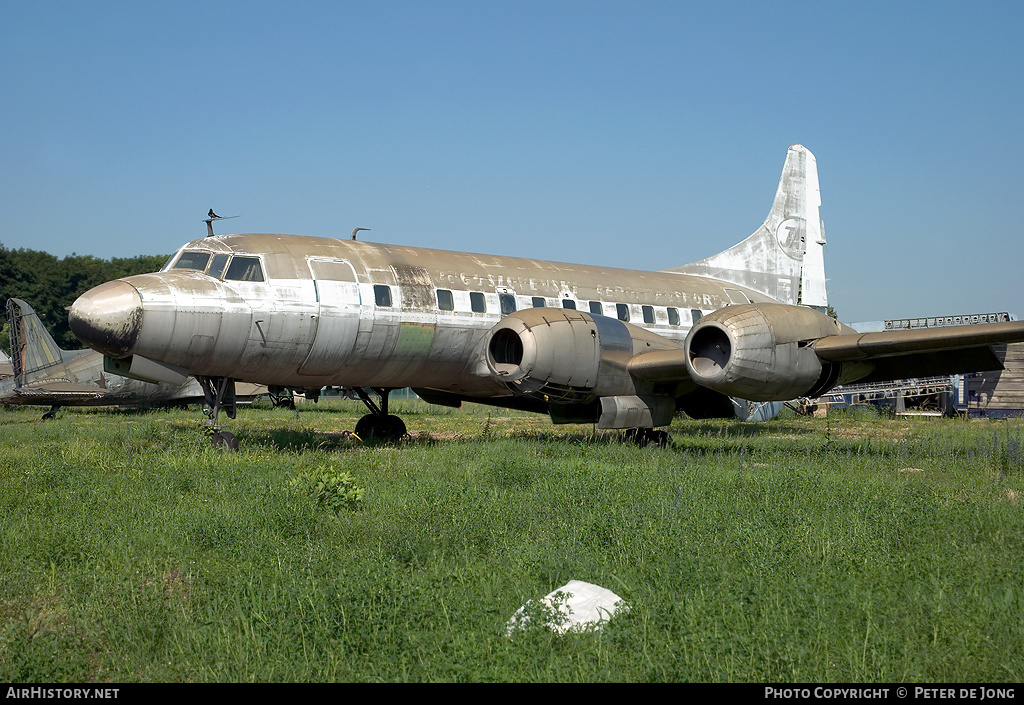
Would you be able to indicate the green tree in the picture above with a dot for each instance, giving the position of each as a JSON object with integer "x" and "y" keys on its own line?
{"x": 50, "y": 285}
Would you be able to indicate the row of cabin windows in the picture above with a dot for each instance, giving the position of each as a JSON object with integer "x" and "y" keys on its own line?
{"x": 507, "y": 305}
{"x": 241, "y": 268}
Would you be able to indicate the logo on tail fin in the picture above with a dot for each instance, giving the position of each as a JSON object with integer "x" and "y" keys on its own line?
{"x": 788, "y": 235}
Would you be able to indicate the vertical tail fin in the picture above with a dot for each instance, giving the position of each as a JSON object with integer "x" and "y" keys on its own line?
{"x": 32, "y": 347}
{"x": 785, "y": 257}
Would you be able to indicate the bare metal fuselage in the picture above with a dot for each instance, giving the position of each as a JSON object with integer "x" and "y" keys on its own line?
{"x": 348, "y": 313}
{"x": 623, "y": 348}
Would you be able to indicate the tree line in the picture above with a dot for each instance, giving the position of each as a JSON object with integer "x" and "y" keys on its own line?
{"x": 50, "y": 284}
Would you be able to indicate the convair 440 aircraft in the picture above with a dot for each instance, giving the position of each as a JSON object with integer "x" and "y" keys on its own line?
{"x": 620, "y": 348}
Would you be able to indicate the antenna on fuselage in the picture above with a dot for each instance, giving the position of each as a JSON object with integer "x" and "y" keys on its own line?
{"x": 210, "y": 217}
{"x": 357, "y": 230}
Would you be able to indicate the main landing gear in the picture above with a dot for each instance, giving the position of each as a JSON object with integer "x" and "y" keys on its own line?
{"x": 281, "y": 397}
{"x": 219, "y": 395}
{"x": 648, "y": 437}
{"x": 379, "y": 424}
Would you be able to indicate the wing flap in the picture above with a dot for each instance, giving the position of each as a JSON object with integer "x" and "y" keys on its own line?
{"x": 933, "y": 364}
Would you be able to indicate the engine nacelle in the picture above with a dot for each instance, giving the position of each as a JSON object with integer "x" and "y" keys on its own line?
{"x": 566, "y": 356}
{"x": 761, "y": 352}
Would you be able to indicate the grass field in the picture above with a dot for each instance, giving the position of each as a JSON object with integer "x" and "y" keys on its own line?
{"x": 855, "y": 548}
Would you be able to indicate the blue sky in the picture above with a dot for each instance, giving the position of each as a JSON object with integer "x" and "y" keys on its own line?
{"x": 635, "y": 134}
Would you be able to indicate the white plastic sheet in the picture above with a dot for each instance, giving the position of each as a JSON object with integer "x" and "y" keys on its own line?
{"x": 583, "y": 605}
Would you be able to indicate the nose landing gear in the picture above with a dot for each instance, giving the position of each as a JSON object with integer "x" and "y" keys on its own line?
{"x": 219, "y": 394}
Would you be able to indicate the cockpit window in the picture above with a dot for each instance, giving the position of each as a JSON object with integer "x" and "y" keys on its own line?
{"x": 217, "y": 265}
{"x": 245, "y": 269}
{"x": 192, "y": 260}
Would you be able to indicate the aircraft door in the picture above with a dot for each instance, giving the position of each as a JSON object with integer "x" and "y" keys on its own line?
{"x": 337, "y": 294}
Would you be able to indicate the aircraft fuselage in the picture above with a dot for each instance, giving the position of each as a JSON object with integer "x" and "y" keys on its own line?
{"x": 618, "y": 347}
{"x": 309, "y": 312}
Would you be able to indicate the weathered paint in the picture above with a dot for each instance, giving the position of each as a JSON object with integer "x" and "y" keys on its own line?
{"x": 308, "y": 312}
{"x": 331, "y": 330}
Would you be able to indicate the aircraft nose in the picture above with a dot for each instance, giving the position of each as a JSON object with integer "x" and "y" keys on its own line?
{"x": 107, "y": 318}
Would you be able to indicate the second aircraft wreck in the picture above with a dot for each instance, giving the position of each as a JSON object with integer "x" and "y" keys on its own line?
{"x": 43, "y": 374}
{"x": 624, "y": 349}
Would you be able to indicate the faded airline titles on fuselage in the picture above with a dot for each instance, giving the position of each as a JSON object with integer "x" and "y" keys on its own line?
{"x": 568, "y": 289}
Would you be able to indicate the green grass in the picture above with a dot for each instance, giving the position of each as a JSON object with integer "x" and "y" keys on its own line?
{"x": 849, "y": 549}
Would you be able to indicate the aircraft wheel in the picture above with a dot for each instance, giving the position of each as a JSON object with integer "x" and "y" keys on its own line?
{"x": 647, "y": 437}
{"x": 658, "y": 439}
{"x": 224, "y": 440}
{"x": 384, "y": 428}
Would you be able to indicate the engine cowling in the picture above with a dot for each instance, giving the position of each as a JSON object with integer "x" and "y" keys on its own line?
{"x": 568, "y": 356}
{"x": 761, "y": 352}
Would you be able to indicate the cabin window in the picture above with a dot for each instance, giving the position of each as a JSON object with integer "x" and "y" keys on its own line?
{"x": 648, "y": 314}
{"x": 569, "y": 303}
{"x": 217, "y": 266}
{"x": 445, "y": 302}
{"x": 696, "y": 314}
{"x": 193, "y": 260}
{"x": 596, "y": 308}
{"x": 508, "y": 303}
{"x": 622, "y": 311}
{"x": 245, "y": 269}
{"x": 477, "y": 302}
{"x": 673, "y": 316}
{"x": 538, "y": 302}
{"x": 382, "y": 294}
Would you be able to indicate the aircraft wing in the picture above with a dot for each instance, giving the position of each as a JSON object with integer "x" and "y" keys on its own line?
{"x": 56, "y": 393}
{"x": 900, "y": 354}
{"x": 774, "y": 352}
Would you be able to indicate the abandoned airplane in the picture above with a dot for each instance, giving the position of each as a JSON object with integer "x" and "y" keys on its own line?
{"x": 621, "y": 348}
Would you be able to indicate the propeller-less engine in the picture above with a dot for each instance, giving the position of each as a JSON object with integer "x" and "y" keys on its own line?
{"x": 588, "y": 367}
{"x": 578, "y": 364}
{"x": 762, "y": 352}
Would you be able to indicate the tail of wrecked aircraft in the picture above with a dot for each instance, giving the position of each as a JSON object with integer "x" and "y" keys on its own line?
{"x": 32, "y": 348}
{"x": 785, "y": 257}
